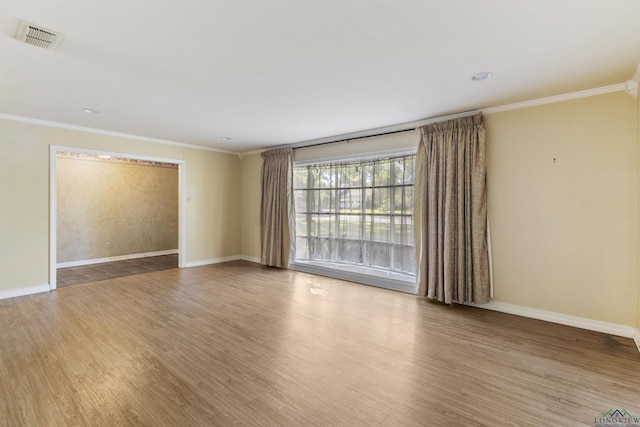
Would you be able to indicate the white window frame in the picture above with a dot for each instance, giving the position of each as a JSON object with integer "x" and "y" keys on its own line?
{"x": 374, "y": 277}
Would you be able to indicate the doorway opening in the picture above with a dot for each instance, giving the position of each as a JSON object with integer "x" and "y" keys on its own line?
{"x": 113, "y": 215}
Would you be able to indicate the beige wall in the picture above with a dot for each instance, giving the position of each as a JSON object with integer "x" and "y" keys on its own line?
{"x": 213, "y": 203}
{"x": 212, "y": 186}
{"x": 24, "y": 206}
{"x": 250, "y": 211}
{"x": 107, "y": 208}
{"x": 564, "y": 233}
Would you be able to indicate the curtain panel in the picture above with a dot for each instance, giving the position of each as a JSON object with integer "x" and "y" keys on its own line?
{"x": 276, "y": 207}
{"x": 451, "y": 211}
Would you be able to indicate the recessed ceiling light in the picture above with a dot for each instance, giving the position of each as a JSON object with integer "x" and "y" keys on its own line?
{"x": 482, "y": 76}
{"x": 104, "y": 157}
{"x": 90, "y": 111}
{"x": 225, "y": 138}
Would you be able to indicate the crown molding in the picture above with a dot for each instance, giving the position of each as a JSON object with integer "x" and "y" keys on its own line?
{"x": 631, "y": 88}
{"x": 557, "y": 98}
{"x": 60, "y": 125}
{"x": 632, "y": 85}
{"x": 620, "y": 87}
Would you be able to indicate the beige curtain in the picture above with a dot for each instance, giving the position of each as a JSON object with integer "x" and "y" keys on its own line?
{"x": 275, "y": 208}
{"x": 451, "y": 211}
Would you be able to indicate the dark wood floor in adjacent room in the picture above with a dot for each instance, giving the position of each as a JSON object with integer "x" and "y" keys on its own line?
{"x": 111, "y": 270}
{"x": 240, "y": 344}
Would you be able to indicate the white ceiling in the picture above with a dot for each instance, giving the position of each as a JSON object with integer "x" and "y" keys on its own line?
{"x": 273, "y": 72}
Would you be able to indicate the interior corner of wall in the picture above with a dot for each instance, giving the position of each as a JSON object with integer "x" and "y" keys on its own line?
{"x": 632, "y": 88}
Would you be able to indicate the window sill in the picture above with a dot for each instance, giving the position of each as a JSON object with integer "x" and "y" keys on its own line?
{"x": 379, "y": 278}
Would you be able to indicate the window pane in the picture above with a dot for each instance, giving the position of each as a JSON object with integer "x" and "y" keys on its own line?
{"x": 325, "y": 249}
{"x": 324, "y": 200}
{"x": 398, "y": 261}
{"x": 300, "y": 199}
{"x": 367, "y": 171}
{"x": 300, "y": 178}
{"x": 408, "y": 201}
{"x": 349, "y": 200}
{"x": 302, "y": 251}
{"x": 357, "y": 213}
{"x": 381, "y": 228}
{"x": 382, "y": 201}
{"x": 409, "y": 259}
{"x": 329, "y": 226}
{"x": 321, "y": 225}
{"x": 313, "y": 177}
{"x": 381, "y": 173}
{"x": 350, "y": 227}
{"x": 325, "y": 176}
{"x": 403, "y": 230}
{"x": 349, "y": 176}
{"x": 314, "y": 225}
{"x": 380, "y": 255}
{"x": 301, "y": 225}
{"x": 312, "y": 201}
{"x": 410, "y": 170}
{"x": 368, "y": 200}
{"x": 399, "y": 167}
{"x": 366, "y": 254}
{"x": 314, "y": 248}
{"x": 398, "y": 200}
{"x": 350, "y": 251}
{"x": 409, "y": 231}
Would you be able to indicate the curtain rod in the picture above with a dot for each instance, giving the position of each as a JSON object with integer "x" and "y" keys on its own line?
{"x": 410, "y": 126}
{"x": 347, "y": 140}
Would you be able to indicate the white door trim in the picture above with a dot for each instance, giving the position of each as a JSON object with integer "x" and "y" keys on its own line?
{"x": 182, "y": 200}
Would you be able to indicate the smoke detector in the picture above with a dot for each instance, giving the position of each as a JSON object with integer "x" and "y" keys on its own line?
{"x": 38, "y": 36}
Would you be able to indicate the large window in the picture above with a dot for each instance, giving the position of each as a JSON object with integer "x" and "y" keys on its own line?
{"x": 357, "y": 214}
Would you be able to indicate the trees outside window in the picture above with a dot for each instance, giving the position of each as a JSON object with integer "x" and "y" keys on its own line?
{"x": 358, "y": 213}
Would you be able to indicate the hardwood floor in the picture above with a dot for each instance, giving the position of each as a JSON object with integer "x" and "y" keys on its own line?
{"x": 111, "y": 270}
{"x": 240, "y": 344}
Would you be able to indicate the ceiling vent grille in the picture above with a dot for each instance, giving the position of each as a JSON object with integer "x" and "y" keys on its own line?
{"x": 38, "y": 36}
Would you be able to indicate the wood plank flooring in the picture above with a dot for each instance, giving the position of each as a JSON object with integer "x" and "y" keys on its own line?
{"x": 111, "y": 270}
{"x": 238, "y": 344}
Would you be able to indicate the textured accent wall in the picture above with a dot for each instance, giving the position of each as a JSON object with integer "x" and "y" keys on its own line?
{"x": 106, "y": 208}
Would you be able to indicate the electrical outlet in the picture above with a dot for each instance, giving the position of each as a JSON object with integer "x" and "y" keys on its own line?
{"x": 108, "y": 245}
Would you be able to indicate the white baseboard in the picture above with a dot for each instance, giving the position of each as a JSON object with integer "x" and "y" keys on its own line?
{"x": 250, "y": 259}
{"x": 114, "y": 258}
{"x": 223, "y": 259}
{"x": 636, "y": 338}
{"x": 20, "y": 292}
{"x": 563, "y": 319}
{"x": 212, "y": 261}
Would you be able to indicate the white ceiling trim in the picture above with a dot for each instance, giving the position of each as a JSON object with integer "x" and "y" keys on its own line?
{"x": 558, "y": 98}
{"x": 370, "y": 132}
{"x": 109, "y": 133}
{"x": 411, "y": 125}
{"x": 632, "y": 85}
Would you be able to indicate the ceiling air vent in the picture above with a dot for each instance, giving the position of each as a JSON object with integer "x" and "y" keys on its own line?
{"x": 38, "y": 36}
